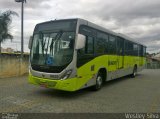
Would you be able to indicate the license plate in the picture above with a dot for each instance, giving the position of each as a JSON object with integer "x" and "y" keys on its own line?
{"x": 43, "y": 85}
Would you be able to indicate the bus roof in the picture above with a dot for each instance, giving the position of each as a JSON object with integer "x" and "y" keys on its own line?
{"x": 109, "y": 31}
{"x": 57, "y": 20}
{"x": 85, "y": 22}
{"x": 129, "y": 38}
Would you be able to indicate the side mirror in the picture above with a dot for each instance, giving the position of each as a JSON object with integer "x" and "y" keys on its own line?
{"x": 30, "y": 42}
{"x": 81, "y": 40}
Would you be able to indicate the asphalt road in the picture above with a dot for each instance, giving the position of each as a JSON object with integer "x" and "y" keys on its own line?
{"x": 141, "y": 94}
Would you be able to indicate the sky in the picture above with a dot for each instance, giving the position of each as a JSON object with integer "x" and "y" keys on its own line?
{"x": 138, "y": 19}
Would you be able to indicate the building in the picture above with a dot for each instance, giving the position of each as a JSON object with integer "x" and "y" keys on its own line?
{"x": 7, "y": 50}
{"x": 153, "y": 61}
{"x": 157, "y": 57}
{"x": 2, "y": 49}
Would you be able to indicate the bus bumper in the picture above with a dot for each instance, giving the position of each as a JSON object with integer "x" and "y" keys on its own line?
{"x": 66, "y": 85}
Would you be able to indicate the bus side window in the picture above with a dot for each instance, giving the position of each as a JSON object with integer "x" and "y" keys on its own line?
{"x": 101, "y": 43}
{"x": 120, "y": 46}
{"x": 129, "y": 48}
{"x": 144, "y": 51}
{"x": 135, "y": 49}
{"x": 112, "y": 45}
{"x": 87, "y": 53}
{"x": 141, "y": 50}
{"x": 89, "y": 49}
{"x": 89, "y": 46}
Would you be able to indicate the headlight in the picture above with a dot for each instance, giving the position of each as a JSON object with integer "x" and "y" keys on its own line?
{"x": 66, "y": 74}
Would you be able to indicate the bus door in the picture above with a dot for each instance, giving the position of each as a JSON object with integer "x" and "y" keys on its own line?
{"x": 112, "y": 58}
{"x": 120, "y": 53}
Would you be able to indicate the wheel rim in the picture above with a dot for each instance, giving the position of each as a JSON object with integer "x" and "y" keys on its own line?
{"x": 135, "y": 72}
{"x": 99, "y": 81}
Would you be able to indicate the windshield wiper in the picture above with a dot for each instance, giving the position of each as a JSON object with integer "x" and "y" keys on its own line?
{"x": 43, "y": 41}
{"x": 57, "y": 37}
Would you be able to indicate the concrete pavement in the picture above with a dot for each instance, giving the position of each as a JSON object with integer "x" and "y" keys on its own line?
{"x": 141, "y": 94}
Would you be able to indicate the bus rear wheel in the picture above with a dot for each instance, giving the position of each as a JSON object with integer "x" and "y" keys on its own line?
{"x": 99, "y": 82}
{"x": 133, "y": 75}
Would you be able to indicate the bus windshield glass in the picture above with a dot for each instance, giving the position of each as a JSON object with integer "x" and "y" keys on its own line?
{"x": 53, "y": 48}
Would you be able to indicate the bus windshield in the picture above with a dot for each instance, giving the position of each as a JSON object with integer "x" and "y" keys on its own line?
{"x": 52, "y": 49}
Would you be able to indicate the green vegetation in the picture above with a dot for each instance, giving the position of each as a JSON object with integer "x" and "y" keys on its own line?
{"x": 5, "y": 21}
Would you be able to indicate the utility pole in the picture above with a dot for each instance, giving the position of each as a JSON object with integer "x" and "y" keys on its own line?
{"x": 22, "y": 13}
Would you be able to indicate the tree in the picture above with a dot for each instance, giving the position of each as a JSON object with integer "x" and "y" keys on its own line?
{"x": 5, "y": 21}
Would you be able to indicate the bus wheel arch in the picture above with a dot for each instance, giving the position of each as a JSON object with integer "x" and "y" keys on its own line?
{"x": 103, "y": 71}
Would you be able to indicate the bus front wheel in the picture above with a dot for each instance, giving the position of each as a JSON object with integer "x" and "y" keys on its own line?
{"x": 99, "y": 82}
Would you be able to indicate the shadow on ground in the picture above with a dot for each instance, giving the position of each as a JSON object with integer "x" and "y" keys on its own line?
{"x": 87, "y": 91}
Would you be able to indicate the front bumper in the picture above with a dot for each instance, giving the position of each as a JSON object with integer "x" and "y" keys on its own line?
{"x": 66, "y": 85}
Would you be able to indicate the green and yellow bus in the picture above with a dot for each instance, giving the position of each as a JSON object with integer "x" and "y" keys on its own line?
{"x": 72, "y": 54}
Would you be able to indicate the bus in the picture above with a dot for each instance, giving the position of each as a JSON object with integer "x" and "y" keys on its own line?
{"x": 72, "y": 54}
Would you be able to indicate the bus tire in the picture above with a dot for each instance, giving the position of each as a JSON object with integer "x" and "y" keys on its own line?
{"x": 99, "y": 82}
{"x": 133, "y": 75}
